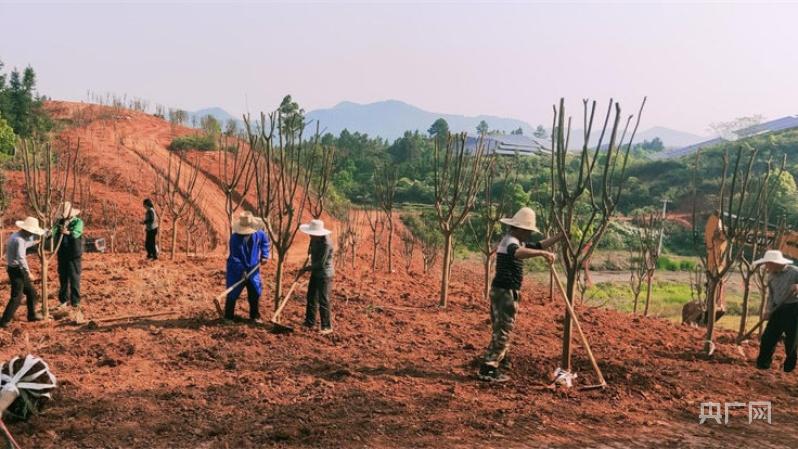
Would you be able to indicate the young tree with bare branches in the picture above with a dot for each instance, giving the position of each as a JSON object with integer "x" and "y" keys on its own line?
{"x": 457, "y": 174}
{"x": 236, "y": 171}
{"x": 177, "y": 190}
{"x": 647, "y": 232}
{"x": 385, "y": 191}
{"x": 284, "y": 165}
{"x": 47, "y": 181}
{"x": 493, "y": 207}
{"x": 585, "y": 194}
{"x": 377, "y": 225}
{"x": 729, "y": 226}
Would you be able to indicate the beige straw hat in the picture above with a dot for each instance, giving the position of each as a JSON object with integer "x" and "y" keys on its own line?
{"x": 315, "y": 228}
{"x": 523, "y": 219}
{"x": 247, "y": 224}
{"x": 67, "y": 211}
{"x": 31, "y": 225}
{"x": 773, "y": 256}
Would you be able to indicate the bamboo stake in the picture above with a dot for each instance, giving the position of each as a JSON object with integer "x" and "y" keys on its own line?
{"x": 602, "y": 383}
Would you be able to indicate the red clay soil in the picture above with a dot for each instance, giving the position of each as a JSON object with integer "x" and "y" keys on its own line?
{"x": 397, "y": 372}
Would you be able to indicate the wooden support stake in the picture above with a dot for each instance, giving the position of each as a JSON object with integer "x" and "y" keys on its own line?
{"x": 602, "y": 383}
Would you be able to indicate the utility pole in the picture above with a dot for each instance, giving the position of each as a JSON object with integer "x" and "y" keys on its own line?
{"x": 665, "y": 202}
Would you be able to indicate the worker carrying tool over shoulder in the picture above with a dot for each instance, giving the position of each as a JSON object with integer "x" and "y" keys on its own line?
{"x": 321, "y": 270}
{"x": 781, "y": 312}
{"x": 249, "y": 246}
{"x": 504, "y": 292}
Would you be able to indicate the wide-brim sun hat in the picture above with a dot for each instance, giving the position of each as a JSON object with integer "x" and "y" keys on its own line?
{"x": 525, "y": 218}
{"x": 247, "y": 224}
{"x": 315, "y": 228}
{"x": 68, "y": 211}
{"x": 773, "y": 256}
{"x": 31, "y": 225}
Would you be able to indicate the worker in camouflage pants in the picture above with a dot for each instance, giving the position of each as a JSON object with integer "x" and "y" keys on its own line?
{"x": 504, "y": 292}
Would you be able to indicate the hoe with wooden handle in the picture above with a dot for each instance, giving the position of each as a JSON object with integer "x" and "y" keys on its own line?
{"x": 281, "y": 305}
{"x": 602, "y": 383}
{"x": 216, "y": 300}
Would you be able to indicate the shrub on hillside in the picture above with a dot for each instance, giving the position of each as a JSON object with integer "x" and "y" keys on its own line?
{"x": 201, "y": 142}
{"x": 667, "y": 264}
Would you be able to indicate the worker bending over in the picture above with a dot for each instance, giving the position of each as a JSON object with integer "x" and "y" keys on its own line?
{"x": 249, "y": 246}
{"x": 782, "y": 310}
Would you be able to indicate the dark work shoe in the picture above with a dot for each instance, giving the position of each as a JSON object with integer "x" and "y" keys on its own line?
{"x": 489, "y": 373}
{"x": 3, "y": 325}
{"x": 37, "y": 317}
{"x": 309, "y": 325}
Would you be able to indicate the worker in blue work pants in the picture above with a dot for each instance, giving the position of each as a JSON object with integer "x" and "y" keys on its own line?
{"x": 249, "y": 246}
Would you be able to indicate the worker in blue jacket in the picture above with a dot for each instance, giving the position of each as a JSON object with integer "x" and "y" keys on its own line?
{"x": 249, "y": 246}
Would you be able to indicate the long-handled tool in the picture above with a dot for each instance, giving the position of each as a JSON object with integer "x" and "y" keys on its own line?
{"x": 281, "y": 305}
{"x": 216, "y": 300}
{"x": 602, "y": 383}
{"x": 751, "y": 332}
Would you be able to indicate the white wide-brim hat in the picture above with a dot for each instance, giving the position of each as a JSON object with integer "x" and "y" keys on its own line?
{"x": 523, "y": 219}
{"x": 247, "y": 224}
{"x": 773, "y": 256}
{"x": 67, "y": 211}
{"x": 31, "y": 225}
{"x": 315, "y": 228}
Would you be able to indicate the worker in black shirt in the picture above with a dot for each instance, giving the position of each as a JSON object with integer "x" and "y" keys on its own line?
{"x": 504, "y": 292}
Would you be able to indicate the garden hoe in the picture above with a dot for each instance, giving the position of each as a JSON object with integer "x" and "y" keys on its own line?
{"x": 216, "y": 300}
{"x": 568, "y": 377}
{"x": 276, "y": 326}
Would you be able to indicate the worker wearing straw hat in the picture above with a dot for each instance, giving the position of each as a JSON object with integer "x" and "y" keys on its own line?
{"x": 69, "y": 229}
{"x": 249, "y": 246}
{"x": 29, "y": 234}
{"x": 321, "y": 275}
{"x": 781, "y": 312}
{"x": 504, "y": 292}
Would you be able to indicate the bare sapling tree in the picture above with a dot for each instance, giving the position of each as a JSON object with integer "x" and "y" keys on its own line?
{"x": 408, "y": 247}
{"x": 385, "y": 191}
{"x": 321, "y": 177}
{"x": 494, "y": 205}
{"x": 728, "y": 227}
{"x": 236, "y": 171}
{"x": 178, "y": 191}
{"x": 458, "y": 172}
{"x": 585, "y": 193}
{"x": 356, "y": 218}
{"x": 284, "y": 165}
{"x": 47, "y": 182}
{"x": 377, "y": 225}
{"x": 343, "y": 242}
{"x": 758, "y": 242}
{"x": 192, "y": 225}
{"x": 647, "y": 235}
{"x": 637, "y": 274}
{"x": 111, "y": 219}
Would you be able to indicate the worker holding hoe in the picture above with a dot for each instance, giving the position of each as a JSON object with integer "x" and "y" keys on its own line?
{"x": 782, "y": 310}
{"x": 69, "y": 229}
{"x": 504, "y": 292}
{"x": 249, "y": 246}
{"x": 29, "y": 234}
{"x": 321, "y": 271}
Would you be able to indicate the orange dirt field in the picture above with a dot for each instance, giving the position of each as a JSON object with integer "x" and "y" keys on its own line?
{"x": 398, "y": 372}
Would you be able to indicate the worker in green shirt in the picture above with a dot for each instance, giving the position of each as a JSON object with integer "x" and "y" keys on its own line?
{"x": 69, "y": 229}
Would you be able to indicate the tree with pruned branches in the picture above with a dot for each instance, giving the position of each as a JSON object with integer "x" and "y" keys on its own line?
{"x": 736, "y": 217}
{"x": 457, "y": 175}
{"x": 236, "y": 171}
{"x": 494, "y": 205}
{"x": 47, "y": 184}
{"x": 285, "y": 165}
{"x": 385, "y": 191}
{"x": 586, "y": 187}
{"x": 178, "y": 191}
{"x": 649, "y": 228}
{"x": 377, "y": 224}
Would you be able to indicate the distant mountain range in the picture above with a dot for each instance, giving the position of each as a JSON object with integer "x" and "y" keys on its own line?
{"x": 389, "y": 119}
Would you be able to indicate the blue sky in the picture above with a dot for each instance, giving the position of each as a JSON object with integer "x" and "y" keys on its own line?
{"x": 697, "y": 62}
